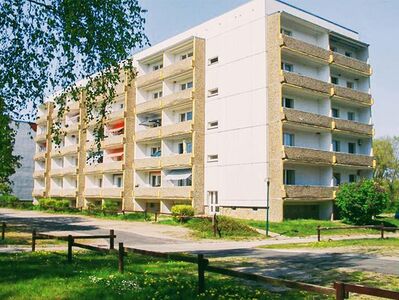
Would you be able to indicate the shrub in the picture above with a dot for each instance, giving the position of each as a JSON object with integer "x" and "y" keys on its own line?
{"x": 111, "y": 205}
{"x": 182, "y": 212}
{"x": 62, "y": 204}
{"x": 8, "y": 200}
{"x": 47, "y": 203}
{"x": 360, "y": 201}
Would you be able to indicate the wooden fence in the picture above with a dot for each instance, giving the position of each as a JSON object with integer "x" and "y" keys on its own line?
{"x": 381, "y": 228}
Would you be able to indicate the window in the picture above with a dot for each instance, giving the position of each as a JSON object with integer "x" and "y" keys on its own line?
{"x": 336, "y": 179}
{"x": 286, "y": 31}
{"x": 289, "y": 139}
{"x": 180, "y": 147}
{"x": 333, "y": 49}
{"x": 187, "y": 116}
{"x": 157, "y": 67}
{"x": 118, "y": 181}
{"x": 213, "y": 60}
{"x": 186, "y": 85}
{"x": 184, "y": 182}
{"x": 213, "y": 92}
{"x": 334, "y": 80}
{"x": 186, "y": 55}
{"x": 351, "y": 148}
{"x": 156, "y": 151}
{"x": 335, "y": 112}
{"x": 352, "y": 178}
{"x": 213, "y": 124}
{"x": 336, "y": 146}
{"x": 351, "y": 116}
{"x": 288, "y": 102}
{"x": 189, "y": 147}
{"x": 213, "y": 158}
{"x": 213, "y": 201}
{"x": 348, "y": 54}
{"x": 157, "y": 95}
{"x": 289, "y": 177}
{"x": 350, "y": 85}
{"x": 287, "y": 67}
{"x": 155, "y": 179}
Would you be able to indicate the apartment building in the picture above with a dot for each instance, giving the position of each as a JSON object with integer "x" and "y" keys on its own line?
{"x": 265, "y": 92}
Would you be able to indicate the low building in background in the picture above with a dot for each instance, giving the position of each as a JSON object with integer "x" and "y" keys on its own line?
{"x": 264, "y": 93}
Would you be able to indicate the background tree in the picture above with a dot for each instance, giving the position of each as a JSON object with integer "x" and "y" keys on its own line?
{"x": 49, "y": 45}
{"x": 8, "y": 161}
{"x": 360, "y": 201}
{"x": 386, "y": 153}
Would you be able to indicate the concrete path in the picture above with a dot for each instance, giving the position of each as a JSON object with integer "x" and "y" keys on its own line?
{"x": 165, "y": 238}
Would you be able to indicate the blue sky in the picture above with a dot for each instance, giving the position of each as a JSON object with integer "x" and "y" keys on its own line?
{"x": 377, "y": 21}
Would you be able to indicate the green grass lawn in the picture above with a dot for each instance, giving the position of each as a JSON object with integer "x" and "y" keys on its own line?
{"x": 44, "y": 275}
{"x": 308, "y": 227}
{"x": 387, "y": 242}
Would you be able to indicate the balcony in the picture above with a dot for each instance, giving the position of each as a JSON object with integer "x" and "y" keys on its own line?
{"x": 176, "y": 192}
{"x": 112, "y": 166}
{"x": 39, "y": 173}
{"x": 147, "y": 163}
{"x": 147, "y": 192}
{"x": 304, "y": 48}
{"x": 56, "y": 172}
{"x": 94, "y": 168}
{"x": 305, "y": 82}
{"x": 176, "y": 161}
{"x": 306, "y": 155}
{"x": 308, "y": 193}
{"x": 357, "y": 160}
{"x": 167, "y": 72}
{"x": 116, "y": 115}
{"x": 177, "y": 129}
{"x": 351, "y": 63}
{"x": 38, "y": 192}
{"x": 71, "y": 127}
{"x": 296, "y": 116}
{"x": 351, "y": 126}
{"x": 72, "y": 105}
{"x": 113, "y": 140}
{"x": 65, "y": 150}
{"x": 69, "y": 192}
{"x": 179, "y": 98}
{"x": 41, "y": 120}
{"x": 148, "y": 134}
{"x": 111, "y": 192}
{"x": 351, "y": 94}
{"x": 56, "y": 192}
{"x": 69, "y": 170}
{"x": 93, "y": 192}
{"x": 40, "y": 155}
{"x": 40, "y": 137}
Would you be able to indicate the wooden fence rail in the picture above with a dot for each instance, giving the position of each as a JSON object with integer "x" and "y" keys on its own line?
{"x": 343, "y": 290}
{"x": 381, "y": 228}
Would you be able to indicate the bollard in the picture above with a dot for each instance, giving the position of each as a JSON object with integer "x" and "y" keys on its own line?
{"x": 156, "y": 217}
{"x": 201, "y": 273}
{"x": 70, "y": 243}
{"x": 111, "y": 239}
{"x": 3, "y": 230}
{"x": 382, "y": 230}
{"x": 121, "y": 254}
{"x": 214, "y": 225}
{"x": 318, "y": 233}
{"x": 33, "y": 240}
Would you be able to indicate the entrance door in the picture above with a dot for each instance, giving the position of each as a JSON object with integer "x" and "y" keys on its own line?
{"x": 213, "y": 202}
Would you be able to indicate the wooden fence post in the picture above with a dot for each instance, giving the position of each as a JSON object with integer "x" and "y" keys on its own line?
{"x": 201, "y": 273}
{"x": 70, "y": 243}
{"x": 33, "y": 240}
{"x": 121, "y": 254}
{"x": 318, "y": 233}
{"x": 339, "y": 291}
{"x": 382, "y": 230}
{"x": 156, "y": 217}
{"x": 111, "y": 239}
{"x": 3, "y": 230}
{"x": 214, "y": 225}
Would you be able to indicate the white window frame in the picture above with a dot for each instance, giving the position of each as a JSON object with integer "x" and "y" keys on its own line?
{"x": 213, "y": 202}
{"x": 353, "y": 116}
{"x": 213, "y": 124}
{"x": 286, "y": 31}
{"x": 116, "y": 179}
{"x": 287, "y": 136}
{"x": 156, "y": 94}
{"x": 184, "y": 116}
{"x": 156, "y": 67}
{"x": 213, "y": 92}
{"x": 335, "y": 77}
{"x": 186, "y": 55}
{"x": 213, "y": 60}
{"x": 284, "y": 66}
{"x": 290, "y": 100}
{"x": 186, "y": 85}
{"x": 336, "y": 110}
{"x": 350, "y": 84}
{"x": 157, "y": 177}
{"x": 212, "y": 158}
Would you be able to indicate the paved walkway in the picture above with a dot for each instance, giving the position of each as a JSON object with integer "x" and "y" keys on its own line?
{"x": 165, "y": 238}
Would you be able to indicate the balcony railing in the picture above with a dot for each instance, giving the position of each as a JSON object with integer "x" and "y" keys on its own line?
{"x": 177, "y": 129}
{"x": 147, "y": 192}
{"x": 296, "y": 116}
{"x": 148, "y": 134}
{"x": 112, "y": 192}
{"x": 305, "y": 48}
{"x": 166, "y": 101}
{"x": 40, "y": 137}
{"x": 92, "y": 192}
{"x": 351, "y": 94}
{"x": 308, "y": 155}
{"x": 41, "y": 120}
{"x": 65, "y": 150}
{"x": 305, "y": 82}
{"x": 113, "y": 140}
{"x": 116, "y": 115}
{"x": 308, "y": 193}
{"x": 179, "y": 192}
{"x": 38, "y": 192}
{"x": 169, "y": 71}
{"x": 353, "y": 126}
{"x": 147, "y": 163}
{"x": 357, "y": 160}
{"x": 40, "y": 155}
{"x": 351, "y": 63}
{"x": 179, "y": 160}
{"x": 39, "y": 173}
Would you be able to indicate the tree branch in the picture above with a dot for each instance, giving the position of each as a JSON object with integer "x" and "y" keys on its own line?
{"x": 41, "y": 4}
